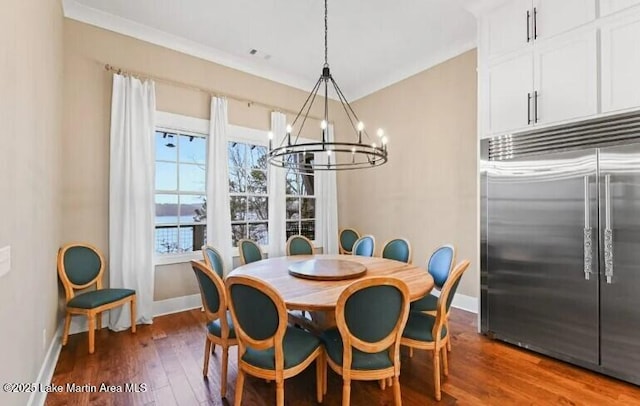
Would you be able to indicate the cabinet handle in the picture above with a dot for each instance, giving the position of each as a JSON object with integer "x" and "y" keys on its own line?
{"x": 588, "y": 243}
{"x": 535, "y": 23}
{"x": 535, "y": 106}
{"x": 528, "y": 28}
{"x": 528, "y": 108}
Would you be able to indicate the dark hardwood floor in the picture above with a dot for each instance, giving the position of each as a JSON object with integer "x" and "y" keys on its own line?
{"x": 167, "y": 356}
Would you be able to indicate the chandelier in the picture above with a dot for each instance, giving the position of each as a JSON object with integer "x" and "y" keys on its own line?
{"x": 361, "y": 152}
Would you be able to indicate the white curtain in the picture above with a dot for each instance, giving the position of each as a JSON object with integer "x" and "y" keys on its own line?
{"x": 218, "y": 210}
{"x": 131, "y": 196}
{"x": 327, "y": 204}
{"x": 277, "y": 191}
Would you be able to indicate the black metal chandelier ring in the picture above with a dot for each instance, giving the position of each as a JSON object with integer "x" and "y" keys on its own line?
{"x": 375, "y": 156}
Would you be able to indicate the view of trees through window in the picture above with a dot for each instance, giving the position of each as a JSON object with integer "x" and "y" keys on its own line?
{"x": 301, "y": 201}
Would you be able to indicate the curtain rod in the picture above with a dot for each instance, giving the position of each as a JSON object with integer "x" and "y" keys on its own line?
{"x": 210, "y": 92}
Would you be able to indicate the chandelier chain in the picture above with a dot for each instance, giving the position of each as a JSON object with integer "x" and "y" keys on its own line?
{"x": 326, "y": 26}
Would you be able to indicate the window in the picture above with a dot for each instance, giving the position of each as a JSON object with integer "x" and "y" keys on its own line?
{"x": 248, "y": 192}
{"x": 301, "y": 201}
{"x": 180, "y": 191}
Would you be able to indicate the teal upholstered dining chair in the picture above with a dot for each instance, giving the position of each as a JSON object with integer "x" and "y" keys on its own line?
{"x": 219, "y": 326}
{"x": 81, "y": 266}
{"x": 398, "y": 249}
{"x": 299, "y": 245}
{"x": 439, "y": 267}
{"x": 249, "y": 251}
{"x": 346, "y": 238}
{"x": 213, "y": 259}
{"x": 431, "y": 332}
{"x": 268, "y": 347}
{"x": 370, "y": 316}
{"x": 365, "y": 246}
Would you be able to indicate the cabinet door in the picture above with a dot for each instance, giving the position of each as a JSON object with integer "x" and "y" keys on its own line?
{"x": 620, "y": 61}
{"x": 510, "y": 82}
{"x": 611, "y": 6}
{"x": 555, "y": 17}
{"x": 566, "y": 77}
{"x": 509, "y": 27}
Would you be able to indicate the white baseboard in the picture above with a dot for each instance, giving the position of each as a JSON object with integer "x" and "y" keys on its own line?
{"x": 176, "y": 304}
{"x": 462, "y": 302}
{"x": 48, "y": 367}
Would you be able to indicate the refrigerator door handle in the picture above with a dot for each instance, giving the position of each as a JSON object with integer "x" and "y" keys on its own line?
{"x": 608, "y": 233}
{"x": 588, "y": 245}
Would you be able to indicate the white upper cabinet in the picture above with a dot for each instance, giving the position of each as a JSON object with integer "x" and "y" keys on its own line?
{"x": 509, "y": 27}
{"x": 620, "y": 62}
{"x": 565, "y": 79}
{"x": 510, "y": 94}
{"x": 552, "y": 17}
{"x": 611, "y": 6}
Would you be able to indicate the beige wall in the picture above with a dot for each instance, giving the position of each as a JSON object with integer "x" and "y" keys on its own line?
{"x": 30, "y": 116}
{"x": 428, "y": 190}
{"x": 87, "y": 98}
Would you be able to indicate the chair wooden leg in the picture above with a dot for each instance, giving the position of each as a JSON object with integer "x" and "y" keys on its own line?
{"x": 436, "y": 373}
{"x": 224, "y": 363}
{"x": 91, "y": 318}
{"x": 99, "y": 321}
{"x": 383, "y": 383}
{"x": 396, "y": 391}
{"x": 449, "y": 335}
{"x": 280, "y": 392}
{"x": 67, "y": 325}
{"x": 445, "y": 361}
{"x": 389, "y": 382}
{"x": 207, "y": 347}
{"x": 346, "y": 392}
{"x": 325, "y": 371}
{"x": 239, "y": 386}
{"x": 410, "y": 352}
{"x": 133, "y": 314}
{"x": 319, "y": 378}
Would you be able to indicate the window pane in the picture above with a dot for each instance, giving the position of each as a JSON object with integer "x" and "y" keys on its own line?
{"x": 308, "y": 210}
{"x": 237, "y": 180}
{"x": 259, "y": 232}
{"x": 192, "y": 178}
{"x": 238, "y": 207}
{"x": 238, "y": 232}
{"x": 306, "y": 185}
{"x": 258, "y": 157}
{"x": 167, "y": 209}
{"x": 258, "y": 209}
{"x": 192, "y": 149}
{"x": 185, "y": 238}
{"x": 166, "y": 176}
{"x": 166, "y": 239}
{"x": 192, "y": 209}
{"x": 293, "y": 208}
{"x": 293, "y": 228}
{"x": 308, "y": 229}
{"x": 237, "y": 155}
{"x": 257, "y": 182}
{"x": 163, "y": 152}
{"x": 293, "y": 188}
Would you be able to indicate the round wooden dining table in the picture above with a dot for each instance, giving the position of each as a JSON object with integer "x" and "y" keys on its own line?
{"x": 322, "y": 295}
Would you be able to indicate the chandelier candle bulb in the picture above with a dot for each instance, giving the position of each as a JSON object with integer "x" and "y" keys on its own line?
{"x": 380, "y": 132}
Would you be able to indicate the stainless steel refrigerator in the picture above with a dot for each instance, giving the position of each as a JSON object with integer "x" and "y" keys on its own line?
{"x": 560, "y": 265}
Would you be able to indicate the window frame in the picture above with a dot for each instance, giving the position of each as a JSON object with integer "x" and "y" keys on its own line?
{"x": 300, "y": 197}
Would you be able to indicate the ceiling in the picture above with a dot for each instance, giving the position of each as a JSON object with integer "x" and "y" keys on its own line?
{"x": 372, "y": 43}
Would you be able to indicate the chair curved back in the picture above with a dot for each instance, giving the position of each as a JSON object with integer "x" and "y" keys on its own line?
{"x": 80, "y": 265}
{"x": 447, "y": 293}
{"x": 299, "y": 245}
{"x": 259, "y": 315}
{"x": 213, "y": 259}
{"x": 364, "y": 246}
{"x": 398, "y": 249}
{"x": 371, "y": 314}
{"x": 212, "y": 291}
{"x": 346, "y": 238}
{"x": 249, "y": 251}
{"x": 441, "y": 263}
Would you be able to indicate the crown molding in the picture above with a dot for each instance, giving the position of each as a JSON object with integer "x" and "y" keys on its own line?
{"x": 98, "y": 18}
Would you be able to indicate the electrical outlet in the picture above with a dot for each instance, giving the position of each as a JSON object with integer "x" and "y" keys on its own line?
{"x": 5, "y": 260}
